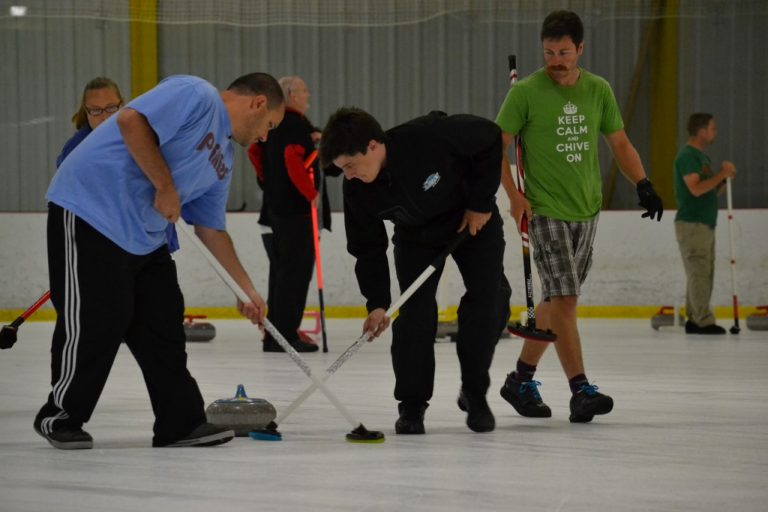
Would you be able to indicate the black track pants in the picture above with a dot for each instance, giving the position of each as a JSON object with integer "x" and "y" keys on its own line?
{"x": 290, "y": 271}
{"x": 104, "y": 295}
{"x": 483, "y": 313}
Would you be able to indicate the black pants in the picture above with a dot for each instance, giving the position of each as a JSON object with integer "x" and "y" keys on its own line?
{"x": 269, "y": 247}
{"x": 483, "y": 313}
{"x": 290, "y": 271}
{"x": 104, "y": 295}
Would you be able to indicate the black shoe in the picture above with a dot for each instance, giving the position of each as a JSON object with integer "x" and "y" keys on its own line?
{"x": 206, "y": 434}
{"x": 524, "y": 397}
{"x": 479, "y": 415}
{"x": 692, "y": 328}
{"x": 411, "y": 420}
{"x": 68, "y": 438}
{"x": 587, "y": 402}
{"x": 270, "y": 345}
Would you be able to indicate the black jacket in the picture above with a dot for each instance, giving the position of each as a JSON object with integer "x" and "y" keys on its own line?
{"x": 281, "y": 194}
{"x": 437, "y": 166}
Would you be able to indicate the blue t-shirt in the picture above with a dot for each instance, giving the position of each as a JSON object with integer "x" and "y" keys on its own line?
{"x": 72, "y": 143}
{"x": 100, "y": 182}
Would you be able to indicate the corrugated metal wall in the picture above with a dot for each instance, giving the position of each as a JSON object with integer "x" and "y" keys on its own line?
{"x": 723, "y": 70}
{"x": 454, "y": 62}
{"x": 44, "y": 63}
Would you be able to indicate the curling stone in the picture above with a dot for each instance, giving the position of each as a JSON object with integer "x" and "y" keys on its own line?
{"x": 240, "y": 413}
{"x": 450, "y": 331}
{"x": 758, "y": 321}
{"x": 198, "y": 331}
{"x": 665, "y": 317}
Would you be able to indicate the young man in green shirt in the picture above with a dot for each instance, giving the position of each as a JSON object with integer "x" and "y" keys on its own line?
{"x": 559, "y": 111}
{"x": 696, "y": 187}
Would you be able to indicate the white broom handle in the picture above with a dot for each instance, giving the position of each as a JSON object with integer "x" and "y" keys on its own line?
{"x": 368, "y": 336}
{"x": 232, "y": 284}
{"x": 218, "y": 267}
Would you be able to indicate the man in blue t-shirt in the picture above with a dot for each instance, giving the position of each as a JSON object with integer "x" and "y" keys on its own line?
{"x": 167, "y": 154}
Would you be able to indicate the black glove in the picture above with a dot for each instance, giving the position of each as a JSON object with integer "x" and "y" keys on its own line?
{"x": 649, "y": 199}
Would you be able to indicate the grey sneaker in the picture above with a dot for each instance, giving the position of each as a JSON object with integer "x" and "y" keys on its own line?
{"x": 68, "y": 438}
{"x": 205, "y": 434}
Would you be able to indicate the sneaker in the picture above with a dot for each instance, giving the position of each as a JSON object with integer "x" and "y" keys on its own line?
{"x": 411, "y": 420}
{"x": 524, "y": 396}
{"x": 692, "y": 328}
{"x": 587, "y": 402}
{"x": 68, "y": 438}
{"x": 270, "y": 345}
{"x": 479, "y": 415}
{"x": 206, "y": 434}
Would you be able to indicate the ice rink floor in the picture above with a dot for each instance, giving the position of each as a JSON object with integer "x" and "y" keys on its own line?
{"x": 688, "y": 432}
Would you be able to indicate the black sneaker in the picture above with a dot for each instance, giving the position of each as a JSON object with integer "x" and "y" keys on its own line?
{"x": 587, "y": 402}
{"x": 524, "y": 397}
{"x": 206, "y": 434}
{"x": 479, "y": 415}
{"x": 270, "y": 345}
{"x": 68, "y": 438}
{"x": 692, "y": 328}
{"x": 411, "y": 420}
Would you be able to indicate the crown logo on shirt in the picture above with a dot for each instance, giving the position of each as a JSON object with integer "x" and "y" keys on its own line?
{"x": 570, "y": 108}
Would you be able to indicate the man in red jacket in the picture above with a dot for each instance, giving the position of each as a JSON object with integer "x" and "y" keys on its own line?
{"x": 286, "y": 211}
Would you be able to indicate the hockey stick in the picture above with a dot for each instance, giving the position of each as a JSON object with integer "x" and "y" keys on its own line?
{"x": 8, "y": 332}
{"x": 366, "y": 337}
{"x": 735, "y": 327}
{"x": 529, "y": 330}
{"x": 360, "y": 433}
{"x": 318, "y": 258}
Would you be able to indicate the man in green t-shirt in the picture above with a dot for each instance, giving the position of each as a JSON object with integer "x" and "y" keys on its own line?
{"x": 696, "y": 187}
{"x": 559, "y": 111}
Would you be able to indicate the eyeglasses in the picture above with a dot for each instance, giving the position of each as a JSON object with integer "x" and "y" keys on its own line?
{"x": 98, "y": 111}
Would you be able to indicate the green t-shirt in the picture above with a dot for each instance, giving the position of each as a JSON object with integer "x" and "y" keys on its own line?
{"x": 560, "y": 127}
{"x": 702, "y": 209}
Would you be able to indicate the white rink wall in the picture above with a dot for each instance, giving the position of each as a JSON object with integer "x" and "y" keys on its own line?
{"x": 636, "y": 262}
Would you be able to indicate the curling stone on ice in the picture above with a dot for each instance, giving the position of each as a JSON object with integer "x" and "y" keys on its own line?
{"x": 665, "y": 317}
{"x": 240, "y": 413}
{"x": 758, "y": 321}
{"x": 450, "y": 331}
{"x": 198, "y": 331}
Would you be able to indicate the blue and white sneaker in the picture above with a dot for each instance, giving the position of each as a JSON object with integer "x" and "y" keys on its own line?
{"x": 588, "y": 402}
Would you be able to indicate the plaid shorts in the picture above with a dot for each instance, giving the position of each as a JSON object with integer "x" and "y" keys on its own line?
{"x": 562, "y": 251}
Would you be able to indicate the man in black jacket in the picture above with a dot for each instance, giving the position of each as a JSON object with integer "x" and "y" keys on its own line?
{"x": 432, "y": 177}
{"x": 289, "y": 192}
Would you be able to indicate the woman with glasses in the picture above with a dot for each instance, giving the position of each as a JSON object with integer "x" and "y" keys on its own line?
{"x": 101, "y": 99}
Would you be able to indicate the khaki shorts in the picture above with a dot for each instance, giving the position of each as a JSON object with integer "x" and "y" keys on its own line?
{"x": 562, "y": 251}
